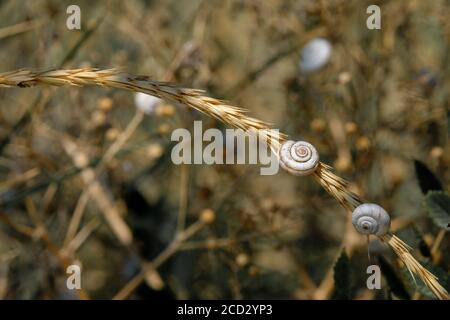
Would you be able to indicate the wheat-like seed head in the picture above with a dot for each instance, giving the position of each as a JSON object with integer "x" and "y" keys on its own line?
{"x": 220, "y": 110}
{"x": 336, "y": 187}
{"x": 402, "y": 250}
{"x": 193, "y": 98}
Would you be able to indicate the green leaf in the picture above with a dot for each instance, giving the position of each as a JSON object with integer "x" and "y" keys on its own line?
{"x": 342, "y": 278}
{"x": 438, "y": 207}
{"x": 426, "y": 178}
{"x": 422, "y": 245}
{"x": 393, "y": 281}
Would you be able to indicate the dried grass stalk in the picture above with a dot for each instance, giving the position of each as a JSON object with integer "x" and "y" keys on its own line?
{"x": 336, "y": 187}
{"x": 194, "y": 98}
{"x": 220, "y": 110}
{"x": 402, "y": 250}
{"x": 103, "y": 201}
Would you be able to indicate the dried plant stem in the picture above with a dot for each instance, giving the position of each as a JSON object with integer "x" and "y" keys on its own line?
{"x": 21, "y": 178}
{"x": 77, "y": 215}
{"x": 122, "y": 139}
{"x": 337, "y": 187}
{"x": 437, "y": 243}
{"x": 402, "y": 250}
{"x": 170, "y": 250}
{"x": 103, "y": 201}
{"x": 82, "y": 236}
{"x": 183, "y": 197}
{"x": 20, "y": 28}
{"x": 113, "y": 78}
{"x": 233, "y": 116}
{"x": 109, "y": 154}
{"x": 40, "y": 232}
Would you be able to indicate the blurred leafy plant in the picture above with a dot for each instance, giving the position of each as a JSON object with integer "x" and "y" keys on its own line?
{"x": 342, "y": 278}
{"x": 393, "y": 280}
{"x": 437, "y": 201}
{"x": 438, "y": 207}
{"x": 427, "y": 180}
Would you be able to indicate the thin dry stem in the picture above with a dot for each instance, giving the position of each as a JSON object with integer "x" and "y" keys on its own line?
{"x": 109, "y": 154}
{"x": 40, "y": 232}
{"x": 170, "y": 250}
{"x": 110, "y": 212}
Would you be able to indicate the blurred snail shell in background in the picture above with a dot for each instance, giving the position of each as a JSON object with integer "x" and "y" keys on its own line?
{"x": 146, "y": 103}
{"x": 370, "y": 218}
{"x": 315, "y": 54}
{"x": 299, "y": 158}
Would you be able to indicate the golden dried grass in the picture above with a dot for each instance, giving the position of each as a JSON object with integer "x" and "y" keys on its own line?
{"x": 220, "y": 110}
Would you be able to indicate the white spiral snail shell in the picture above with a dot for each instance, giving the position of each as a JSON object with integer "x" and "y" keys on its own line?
{"x": 299, "y": 158}
{"x": 370, "y": 218}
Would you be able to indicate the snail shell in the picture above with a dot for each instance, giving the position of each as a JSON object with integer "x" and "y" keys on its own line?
{"x": 299, "y": 158}
{"x": 315, "y": 54}
{"x": 370, "y": 218}
{"x": 146, "y": 103}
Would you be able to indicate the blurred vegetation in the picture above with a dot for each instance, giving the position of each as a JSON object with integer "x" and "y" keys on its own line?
{"x": 377, "y": 112}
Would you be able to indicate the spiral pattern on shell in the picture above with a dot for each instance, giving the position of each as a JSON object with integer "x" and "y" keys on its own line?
{"x": 370, "y": 218}
{"x": 299, "y": 158}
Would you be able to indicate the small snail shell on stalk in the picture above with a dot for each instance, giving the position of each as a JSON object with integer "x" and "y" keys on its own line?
{"x": 146, "y": 103}
{"x": 299, "y": 158}
{"x": 370, "y": 218}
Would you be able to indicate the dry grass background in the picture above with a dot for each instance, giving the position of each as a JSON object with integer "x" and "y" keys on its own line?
{"x": 86, "y": 178}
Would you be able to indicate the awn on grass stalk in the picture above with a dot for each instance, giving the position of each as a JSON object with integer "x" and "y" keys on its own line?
{"x": 235, "y": 117}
